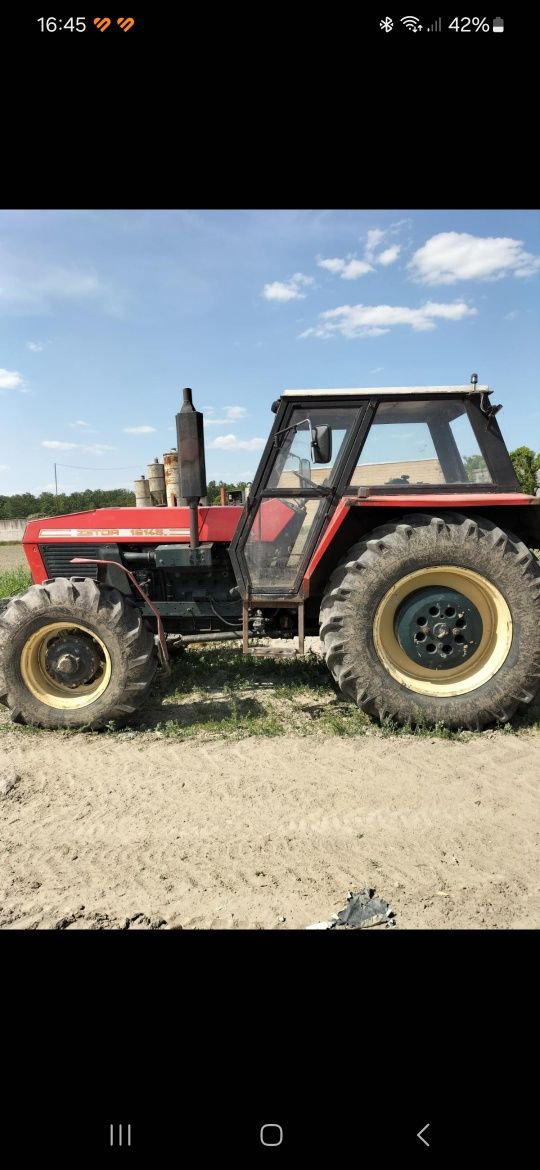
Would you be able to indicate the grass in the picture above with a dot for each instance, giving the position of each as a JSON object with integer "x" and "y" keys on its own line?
{"x": 14, "y": 581}
{"x": 218, "y": 692}
{"x": 214, "y": 692}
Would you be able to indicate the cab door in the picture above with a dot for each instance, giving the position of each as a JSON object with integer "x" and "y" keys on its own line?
{"x": 293, "y": 498}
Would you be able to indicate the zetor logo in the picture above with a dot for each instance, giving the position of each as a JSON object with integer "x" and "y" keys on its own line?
{"x": 125, "y": 22}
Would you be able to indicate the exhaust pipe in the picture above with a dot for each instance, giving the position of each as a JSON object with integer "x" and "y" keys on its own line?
{"x": 190, "y": 443}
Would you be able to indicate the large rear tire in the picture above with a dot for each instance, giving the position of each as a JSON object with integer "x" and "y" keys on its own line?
{"x": 435, "y": 619}
{"x": 74, "y": 653}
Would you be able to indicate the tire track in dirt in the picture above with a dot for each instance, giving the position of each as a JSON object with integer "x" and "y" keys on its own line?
{"x": 246, "y": 834}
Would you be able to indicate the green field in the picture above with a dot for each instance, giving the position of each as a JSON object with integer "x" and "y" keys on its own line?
{"x": 14, "y": 581}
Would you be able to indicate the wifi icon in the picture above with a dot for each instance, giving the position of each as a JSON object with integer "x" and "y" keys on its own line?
{"x": 412, "y": 23}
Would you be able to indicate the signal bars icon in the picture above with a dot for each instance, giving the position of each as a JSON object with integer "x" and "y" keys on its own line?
{"x": 437, "y": 27}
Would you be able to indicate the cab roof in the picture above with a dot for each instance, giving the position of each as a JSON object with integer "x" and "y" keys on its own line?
{"x": 386, "y": 391}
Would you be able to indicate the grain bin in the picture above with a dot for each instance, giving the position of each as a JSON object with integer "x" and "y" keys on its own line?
{"x": 141, "y": 488}
{"x": 156, "y": 479}
{"x": 172, "y": 478}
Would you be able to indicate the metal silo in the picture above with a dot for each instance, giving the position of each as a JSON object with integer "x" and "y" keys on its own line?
{"x": 156, "y": 479}
{"x": 172, "y": 478}
{"x": 141, "y": 488}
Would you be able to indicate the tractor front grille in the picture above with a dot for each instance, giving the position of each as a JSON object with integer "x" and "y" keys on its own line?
{"x": 57, "y": 557}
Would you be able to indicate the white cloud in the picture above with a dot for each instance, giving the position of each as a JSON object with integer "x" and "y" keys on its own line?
{"x": 56, "y": 445}
{"x": 451, "y": 256}
{"x": 236, "y": 411}
{"x": 139, "y": 430}
{"x": 4, "y": 467}
{"x": 287, "y": 290}
{"x": 11, "y": 380}
{"x": 231, "y": 443}
{"x": 374, "y": 237}
{"x": 34, "y": 346}
{"x": 92, "y": 448}
{"x": 336, "y": 265}
{"x": 80, "y": 423}
{"x": 378, "y": 370}
{"x": 355, "y": 268}
{"x": 346, "y": 267}
{"x": 349, "y": 269}
{"x": 374, "y": 320}
{"x": 511, "y": 316}
{"x": 232, "y": 414}
{"x": 389, "y": 255}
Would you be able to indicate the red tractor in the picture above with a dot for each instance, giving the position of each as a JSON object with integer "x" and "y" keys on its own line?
{"x": 389, "y": 521}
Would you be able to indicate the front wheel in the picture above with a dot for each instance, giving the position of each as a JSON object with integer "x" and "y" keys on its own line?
{"x": 435, "y": 619}
{"x": 74, "y": 654}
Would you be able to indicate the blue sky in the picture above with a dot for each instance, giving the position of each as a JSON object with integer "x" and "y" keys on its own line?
{"x": 106, "y": 315}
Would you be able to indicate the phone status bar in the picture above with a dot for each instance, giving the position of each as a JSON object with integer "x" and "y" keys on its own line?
{"x": 439, "y": 24}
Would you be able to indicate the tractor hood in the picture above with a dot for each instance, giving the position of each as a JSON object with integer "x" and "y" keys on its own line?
{"x": 134, "y": 524}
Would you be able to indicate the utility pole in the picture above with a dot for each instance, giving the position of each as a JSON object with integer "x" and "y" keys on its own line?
{"x": 55, "y": 482}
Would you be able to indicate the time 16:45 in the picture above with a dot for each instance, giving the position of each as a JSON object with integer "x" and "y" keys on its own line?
{"x": 69, "y": 23}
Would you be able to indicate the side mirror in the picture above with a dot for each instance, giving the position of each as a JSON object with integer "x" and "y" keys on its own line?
{"x": 321, "y": 444}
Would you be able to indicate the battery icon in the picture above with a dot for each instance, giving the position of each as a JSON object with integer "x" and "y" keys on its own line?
{"x": 498, "y": 24}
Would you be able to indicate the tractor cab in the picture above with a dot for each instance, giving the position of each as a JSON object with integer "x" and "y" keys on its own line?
{"x": 330, "y": 446}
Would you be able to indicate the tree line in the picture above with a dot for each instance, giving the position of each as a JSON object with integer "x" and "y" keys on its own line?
{"x": 27, "y": 506}
{"x": 213, "y": 489}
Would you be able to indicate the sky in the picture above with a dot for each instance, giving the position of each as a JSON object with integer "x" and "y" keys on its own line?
{"x": 106, "y": 315}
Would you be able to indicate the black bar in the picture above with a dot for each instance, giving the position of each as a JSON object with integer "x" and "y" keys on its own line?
{"x": 363, "y": 1134}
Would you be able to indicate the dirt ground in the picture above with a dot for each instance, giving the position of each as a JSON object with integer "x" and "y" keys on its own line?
{"x": 126, "y": 830}
{"x": 135, "y": 830}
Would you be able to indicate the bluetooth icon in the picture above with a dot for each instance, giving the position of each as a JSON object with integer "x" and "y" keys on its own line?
{"x": 387, "y": 24}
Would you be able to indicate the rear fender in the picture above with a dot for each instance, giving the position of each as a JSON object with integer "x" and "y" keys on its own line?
{"x": 350, "y": 522}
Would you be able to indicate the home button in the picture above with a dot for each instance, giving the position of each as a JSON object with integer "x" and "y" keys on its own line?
{"x": 271, "y": 1135}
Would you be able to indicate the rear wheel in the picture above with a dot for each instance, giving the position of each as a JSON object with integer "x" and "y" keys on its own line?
{"x": 74, "y": 654}
{"x": 435, "y": 619}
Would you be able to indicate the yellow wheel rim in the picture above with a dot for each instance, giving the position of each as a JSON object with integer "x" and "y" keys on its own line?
{"x": 468, "y": 676}
{"x": 41, "y": 682}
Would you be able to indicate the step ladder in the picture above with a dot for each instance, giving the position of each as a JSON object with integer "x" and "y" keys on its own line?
{"x": 269, "y": 651}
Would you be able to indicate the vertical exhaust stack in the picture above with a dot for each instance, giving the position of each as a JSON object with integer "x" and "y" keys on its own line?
{"x": 190, "y": 443}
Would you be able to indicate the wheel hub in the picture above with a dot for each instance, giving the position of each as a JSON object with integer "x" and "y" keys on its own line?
{"x": 72, "y": 661}
{"x": 438, "y": 627}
